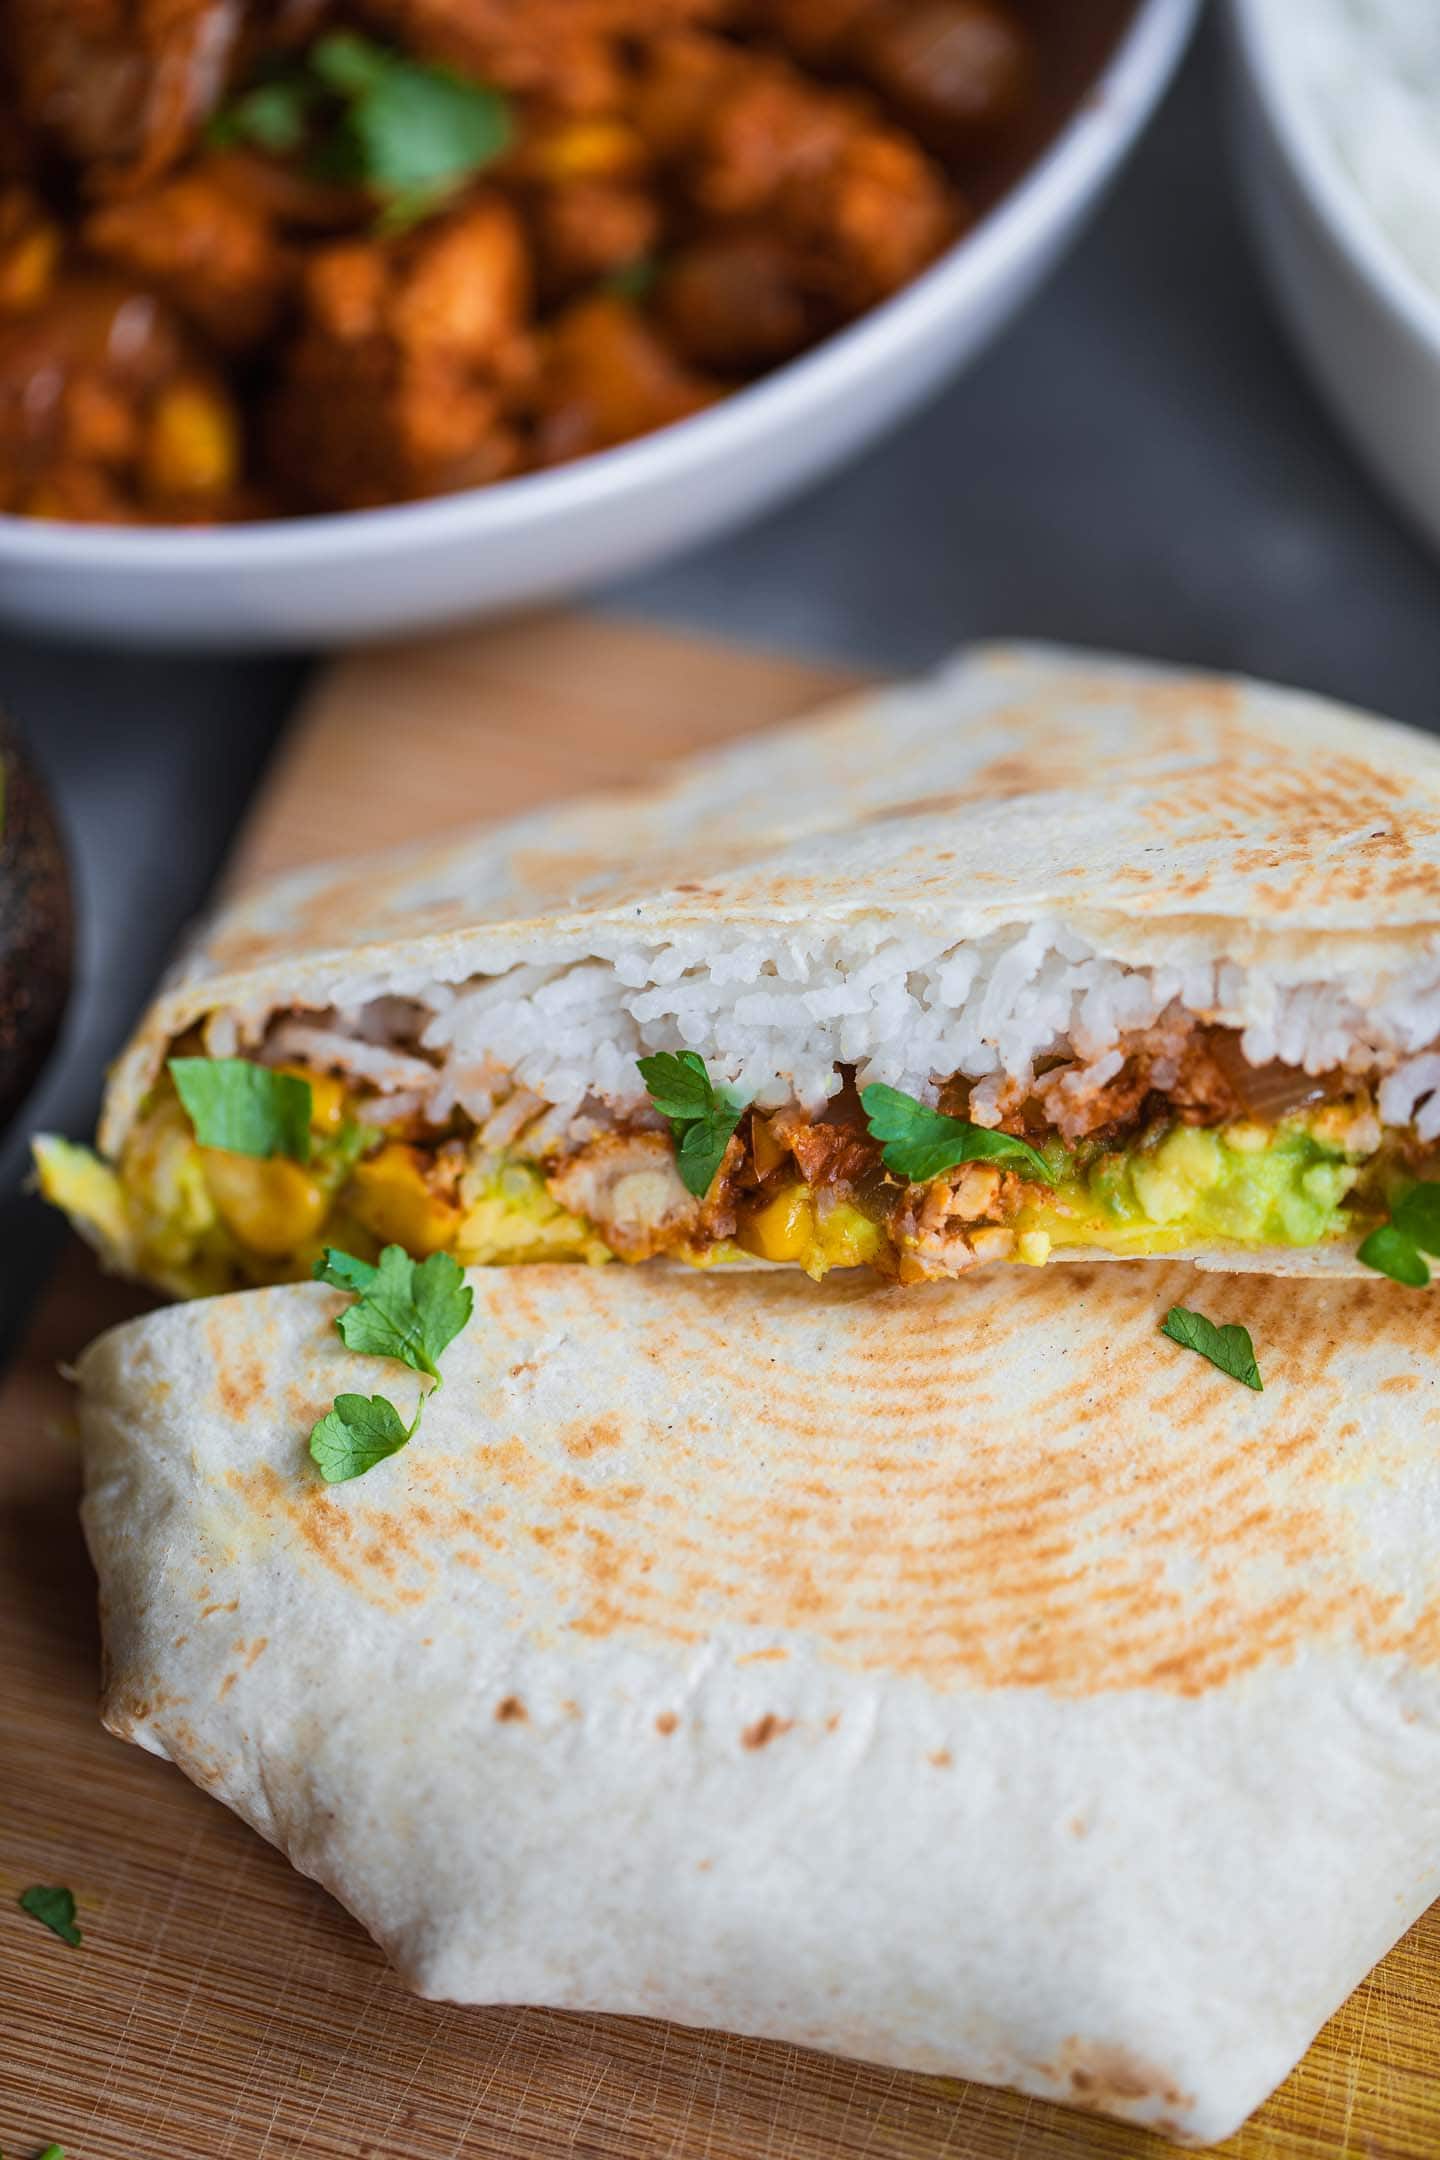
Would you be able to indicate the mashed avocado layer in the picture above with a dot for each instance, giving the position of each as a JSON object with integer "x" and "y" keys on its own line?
{"x": 1252, "y": 1185}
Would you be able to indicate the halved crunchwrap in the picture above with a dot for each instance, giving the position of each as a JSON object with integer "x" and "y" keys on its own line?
{"x": 979, "y": 1683}
{"x": 1049, "y": 955}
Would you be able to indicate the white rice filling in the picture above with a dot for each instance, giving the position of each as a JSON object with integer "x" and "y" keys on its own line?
{"x": 774, "y": 1016}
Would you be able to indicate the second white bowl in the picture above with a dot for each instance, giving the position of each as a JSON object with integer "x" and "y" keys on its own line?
{"x": 1365, "y": 324}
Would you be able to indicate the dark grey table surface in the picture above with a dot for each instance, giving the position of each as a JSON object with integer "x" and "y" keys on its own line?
{"x": 1137, "y": 464}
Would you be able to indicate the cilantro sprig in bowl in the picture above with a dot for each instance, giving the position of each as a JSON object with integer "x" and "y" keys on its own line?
{"x": 414, "y": 139}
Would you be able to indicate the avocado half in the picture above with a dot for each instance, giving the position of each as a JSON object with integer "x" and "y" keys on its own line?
{"x": 37, "y": 924}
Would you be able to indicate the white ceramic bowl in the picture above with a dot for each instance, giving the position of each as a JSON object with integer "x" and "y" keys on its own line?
{"x": 367, "y": 574}
{"x": 1365, "y": 324}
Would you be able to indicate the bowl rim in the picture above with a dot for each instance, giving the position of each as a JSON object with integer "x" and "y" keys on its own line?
{"x": 1333, "y": 195}
{"x": 1076, "y": 163}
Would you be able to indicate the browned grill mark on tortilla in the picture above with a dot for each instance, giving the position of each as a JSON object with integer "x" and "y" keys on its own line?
{"x": 1104, "y": 2076}
{"x": 591, "y": 1436}
{"x": 510, "y": 1710}
{"x": 666, "y": 1723}
{"x": 765, "y": 1729}
{"x": 364, "y": 1552}
{"x": 1175, "y": 1548}
{"x": 241, "y": 1383}
{"x": 182, "y": 1744}
{"x": 304, "y": 1408}
{"x": 1005, "y": 778}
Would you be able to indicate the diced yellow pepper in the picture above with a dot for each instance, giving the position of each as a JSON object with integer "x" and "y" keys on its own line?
{"x": 389, "y": 1195}
{"x": 586, "y": 150}
{"x": 789, "y": 1228}
{"x": 27, "y": 268}
{"x": 191, "y": 444}
{"x": 271, "y": 1205}
{"x": 784, "y": 1229}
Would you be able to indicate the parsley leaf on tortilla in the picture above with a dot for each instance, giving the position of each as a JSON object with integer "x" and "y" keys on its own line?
{"x": 1417, "y": 1216}
{"x": 921, "y": 1143}
{"x": 358, "y": 1432}
{"x": 343, "y": 1271}
{"x": 702, "y": 1116}
{"x": 1228, "y": 1347}
{"x": 1391, "y": 1253}
{"x": 409, "y": 1310}
{"x": 1397, "y": 1248}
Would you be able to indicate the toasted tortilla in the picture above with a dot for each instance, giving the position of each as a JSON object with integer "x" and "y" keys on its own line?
{"x": 1277, "y": 851}
{"x": 969, "y": 1679}
{"x": 1156, "y": 812}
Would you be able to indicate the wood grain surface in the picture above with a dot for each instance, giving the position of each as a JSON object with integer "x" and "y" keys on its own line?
{"x": 222, "y": 2008}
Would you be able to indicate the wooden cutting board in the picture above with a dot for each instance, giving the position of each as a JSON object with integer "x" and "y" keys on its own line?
{"x": 222, "y": 2008}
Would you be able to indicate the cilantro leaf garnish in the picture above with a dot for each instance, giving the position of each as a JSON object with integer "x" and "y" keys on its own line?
{"x": 53, "y": 2152}
{"x": 678, "y": 1084}
{"x": 371, "y": 116}
{"x": 1417, "y": 1216}
{"x": 350, "y": 65}
{"x": 1398, "y": 1247}
{"x": 1391, "y": 1253}
{"x": 702, "y": 1116}
{"x": 409, "y": 1310}
{"x": 249, "y": 1109}
{"x": 1228, "y": 1347}
{"x": 273, "y": 114}
{"x": 343, "y": 1271}
{"x": 54, "y": 1909}
{"x": 921, "y": 1143}
{"x": 357, "y": 1433}
{"x": 417, "y": 128}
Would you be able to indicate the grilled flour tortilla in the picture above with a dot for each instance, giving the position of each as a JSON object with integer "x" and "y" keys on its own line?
{"x": 1180, "y": 935}
{"x": 986, "y": 1685}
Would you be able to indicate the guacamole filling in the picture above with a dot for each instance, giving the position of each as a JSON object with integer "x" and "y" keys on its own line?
{"x": 813, "y": 1193}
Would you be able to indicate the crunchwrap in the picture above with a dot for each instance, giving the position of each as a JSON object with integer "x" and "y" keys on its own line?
{"x": 974, "y": 1682}
{"x": 1047, "y": 956}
